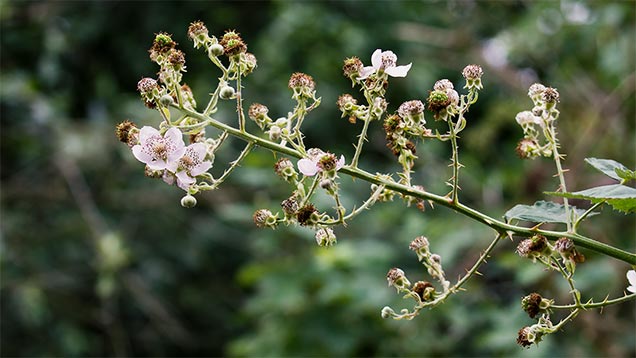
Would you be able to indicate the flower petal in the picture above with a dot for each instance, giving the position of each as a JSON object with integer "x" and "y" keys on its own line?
{"x": 376, "y": 59}
{"x": 340, "y": 163}
{"x": 141, "y": 155}
{"x": 307, "y": 167}
{"x": 398, "y": 71}
{"x": 201, "y": 168}
{"x": 184, "y": 180}
{"x": 366, "y": 72}
{"x": 631, "y": 277}
{"x": 146, "y": 132}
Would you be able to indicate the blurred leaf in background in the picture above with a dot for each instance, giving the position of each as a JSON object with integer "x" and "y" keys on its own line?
{"x": 98, "y": 260}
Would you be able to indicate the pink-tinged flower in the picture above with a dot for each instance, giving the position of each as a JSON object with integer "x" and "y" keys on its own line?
{"x": 631, "y": 277}
{"x": 318, "y": 161}
{"x": 384, "y": 61}
{"x": 157, "y": 151}
{"x": 191, "y": 164}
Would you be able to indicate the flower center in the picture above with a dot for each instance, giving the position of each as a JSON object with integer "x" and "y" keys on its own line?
{"x": 388, "y": 60}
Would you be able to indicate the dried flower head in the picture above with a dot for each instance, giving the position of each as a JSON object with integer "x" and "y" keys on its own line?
{"x": 550, "y": 95}
{"x": 263, "y": 218}
{"x": 307, "y": 215}
{"x": 290, "y": 206}
{"x": 232, "y": 43}
{"x": 126, "y": 132}
{"x": 352, "y": 67}
{"x": 424, "y": 290}
{"x": 528, "y": 149}
{"x": 161, "y": 45}
{"x": 284, "y": 168}
{"x": 533, "y": 247}
{"x": 526, "y": 337}
{"x": 472, "y": 72}
{"x": 443, "y": 85}
{"x": 301, "y": 80}
{"x": 412, "y": 110}
{"x": 176, "y": 58}
{"x": 396, "y": 278}
{"x": 438, "y": 100}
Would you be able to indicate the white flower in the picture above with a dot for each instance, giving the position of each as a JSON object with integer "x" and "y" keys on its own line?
{"x": 527, "y": 117}
{"x": 159, "y": 152}
{"x": 631, "y": 277}
{"x": 384, "y": 61}
{"x": 319, "y": 161}
{"x": 191, "y": 164}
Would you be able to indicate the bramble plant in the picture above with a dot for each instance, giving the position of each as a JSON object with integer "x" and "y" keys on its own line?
{"x": 166, "y": 155}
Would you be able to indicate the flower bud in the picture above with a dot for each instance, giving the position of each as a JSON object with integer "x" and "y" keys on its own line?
{"x": 274, "y": 133}
{"x": 472, "y": 74}
{"x": 166, "y": 100}
{"x": 264, "y": 217}
{"x": 188, "y": 201}
{"x": 216, "y": 50}
{"x": 227, "y": 92}
{"x": 387, "y": 312}
{"x": 325, "y": 237}
{"x": 396, "y": 278}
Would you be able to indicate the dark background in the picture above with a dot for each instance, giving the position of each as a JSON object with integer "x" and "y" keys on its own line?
{"x": 98, "y": 260}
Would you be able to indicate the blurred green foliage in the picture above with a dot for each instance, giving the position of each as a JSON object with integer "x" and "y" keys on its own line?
{"x": 98, "y": 260}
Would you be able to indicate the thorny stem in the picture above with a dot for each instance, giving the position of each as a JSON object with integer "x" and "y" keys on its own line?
{"x": 455, "y": 160}
{"x": 554, "y": 142}
{"x": 239, "y": 100}
{"x": 361, "y": 139}
{"x": 591, "y": 304}
{"x": 233, "y": 165}
{"x": 497, "y": 225}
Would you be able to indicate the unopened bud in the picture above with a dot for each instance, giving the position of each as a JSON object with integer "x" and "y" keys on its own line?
{"x": 216, "y": 50}
{"x": 188, "y": 201}
{"x": 227, "y": 92}
{"x": 166, "y": 100}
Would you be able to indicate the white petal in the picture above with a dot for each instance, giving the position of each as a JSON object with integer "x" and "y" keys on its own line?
{"x": 631, "y": 289}
{"x": 307, "y": 167}
{"x": 366, "y": 72}
{"x": 398, "y": 71}
{"x": 141, "y": 155}
{"x": 340, "y": 163}
{"x": 631, "y": 277}
{"x": 376, "y": 59}
{"x": 201, "y": 168}
{"x": 147, "y": 132}
{"x": 200, "y": 149}
{"x": 158, "y": 164}
{"x": 184, "y": 180}
{"x": 172, "y": 165}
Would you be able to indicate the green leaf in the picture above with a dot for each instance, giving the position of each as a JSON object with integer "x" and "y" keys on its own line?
{"x": 620, "y": 197}
{"x": 608, "y": 167}
{"x": 541, "y": 212}
{"x": 626, "y": 174}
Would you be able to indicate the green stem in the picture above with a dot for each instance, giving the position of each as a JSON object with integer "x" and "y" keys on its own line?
{"x": 591, "y": 304}
{"x": 498, "y": 225}
{"x": 455, "y": 160}
{"x": 361, "y": 139}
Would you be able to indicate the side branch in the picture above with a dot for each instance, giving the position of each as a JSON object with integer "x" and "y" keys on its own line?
{"x": 497, "y": 225}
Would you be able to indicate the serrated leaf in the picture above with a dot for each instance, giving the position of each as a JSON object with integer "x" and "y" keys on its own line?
{"x": 607, "y": 167}
{"x": 541, "y": 212}
{"x": 620, "y": 197}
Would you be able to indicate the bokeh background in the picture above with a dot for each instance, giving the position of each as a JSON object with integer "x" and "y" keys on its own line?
{"x": 98, "y": 260}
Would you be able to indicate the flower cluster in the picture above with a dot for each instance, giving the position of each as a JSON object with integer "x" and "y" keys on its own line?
{"x": 169, "y": 155}
{"x": 538, "y": 123}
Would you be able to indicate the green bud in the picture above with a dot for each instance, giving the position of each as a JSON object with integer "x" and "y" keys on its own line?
{"x": 227, "y": 92}
{"x": 188, "y": 201}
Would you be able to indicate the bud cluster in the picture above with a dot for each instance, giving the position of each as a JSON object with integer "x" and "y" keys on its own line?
{"x": 432, "y": 262}
{"x": 538, "y": 124}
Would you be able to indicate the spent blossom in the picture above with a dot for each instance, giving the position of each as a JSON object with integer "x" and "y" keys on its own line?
{"x": 384, "y": 61}
{"x": 157, "y": 151}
